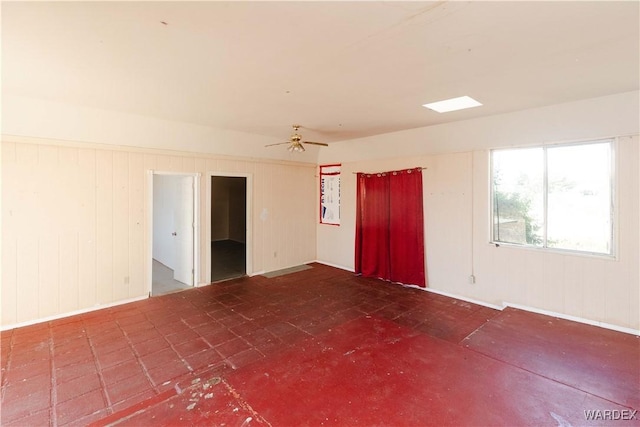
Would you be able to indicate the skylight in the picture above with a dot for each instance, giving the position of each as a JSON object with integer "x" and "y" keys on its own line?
{"x": 453, "y": 104}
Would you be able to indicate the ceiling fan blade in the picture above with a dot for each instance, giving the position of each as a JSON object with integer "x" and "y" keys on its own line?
{"x": 278, "y": 143}
{"x": 324, "y": 144}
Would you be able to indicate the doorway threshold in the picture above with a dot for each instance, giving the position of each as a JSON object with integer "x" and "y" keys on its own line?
{"x": 286, "y": 271}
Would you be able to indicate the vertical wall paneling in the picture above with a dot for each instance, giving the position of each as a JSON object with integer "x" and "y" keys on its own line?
{"x": 27, "y": 297}
{"x": 49, "y": 214}
{"x": 297, "y": 228}
{"x": 104, "y": 226}
{"x": 284, "y": 215}
{"x": 447, "y": 195}
{"x": 270, "y": 245}
{"x": 87, "y": 228}
{"x": 283, "y": 218}
{"x": 553, "y": 295}
{"x": 8, "y": 289}
{"x": 26, "y": 211}
{"x": 76, "y": 222}
{"x": 634, "y": 292}
{"x": 595, "y": 285}
{"x": 257, "y": 197}
{"x": 249, "y": 238}
{"x": 573, "y": 291}
{"x": 69, "y": 233}
{"x": 9, "y": 278}
{"x": 188, "y": 165}
{"x": 162, "y": 162}
{"x": 626, "y": 269}
{"x": 121, "y": 276}
{"x": 136, "y": 219}
{"x": 481, "y": 221}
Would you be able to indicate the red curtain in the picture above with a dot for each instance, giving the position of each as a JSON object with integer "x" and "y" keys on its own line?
{"x": 390, "y": 226}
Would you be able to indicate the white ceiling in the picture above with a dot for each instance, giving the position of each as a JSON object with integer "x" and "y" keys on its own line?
{"x": 342, "y": 70}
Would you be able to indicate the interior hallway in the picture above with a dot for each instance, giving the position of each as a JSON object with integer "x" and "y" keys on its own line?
{"x": 319, "y": 346}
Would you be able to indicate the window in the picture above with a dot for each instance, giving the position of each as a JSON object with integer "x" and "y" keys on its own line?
{"x": 557, "y": 197}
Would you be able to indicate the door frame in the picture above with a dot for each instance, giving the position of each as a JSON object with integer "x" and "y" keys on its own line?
{"x": 149, "y": 217}
{"x": 249, "y": 221}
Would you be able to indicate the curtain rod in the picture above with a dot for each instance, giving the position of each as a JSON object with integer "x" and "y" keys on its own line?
{"x": 375, "y": 173}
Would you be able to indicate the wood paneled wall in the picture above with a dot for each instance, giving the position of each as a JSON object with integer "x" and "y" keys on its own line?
{"x": 74, "y": 221}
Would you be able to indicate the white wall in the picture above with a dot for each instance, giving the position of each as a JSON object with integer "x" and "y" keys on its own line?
{"x": 31, "y": 117}
{"x": 75, "y": 230}
{"x": 456, "y": 203}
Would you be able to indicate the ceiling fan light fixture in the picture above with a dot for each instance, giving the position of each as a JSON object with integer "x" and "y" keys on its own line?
{"x": 453, "y": 104}
{"x": 296, "y": 144}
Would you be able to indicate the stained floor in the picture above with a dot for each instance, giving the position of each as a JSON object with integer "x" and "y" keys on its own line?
{"x": 316, "y": 347}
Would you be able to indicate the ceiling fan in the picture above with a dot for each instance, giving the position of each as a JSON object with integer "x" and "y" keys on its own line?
{"x": 295, "y": 141}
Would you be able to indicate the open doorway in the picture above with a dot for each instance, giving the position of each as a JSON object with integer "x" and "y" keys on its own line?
{"x": 228, "y": 227}
{"x": 174, "y": 237}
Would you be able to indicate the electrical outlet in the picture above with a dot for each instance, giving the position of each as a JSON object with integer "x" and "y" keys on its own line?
{"x": 472, "y": 279}
{"x": 275, "y": 254}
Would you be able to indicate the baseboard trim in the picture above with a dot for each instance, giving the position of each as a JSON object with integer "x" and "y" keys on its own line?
{"x": 341, "y": 267}
{"x": 70, "y": 313}
{"x": 279, "y": 268}
{"x": 574, "y": 318}
{"x": 257, "y": 273}
{"x": 463, "y": 298}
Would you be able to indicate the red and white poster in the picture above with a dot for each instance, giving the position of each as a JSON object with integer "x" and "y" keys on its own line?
{"x": 330, "y": 194}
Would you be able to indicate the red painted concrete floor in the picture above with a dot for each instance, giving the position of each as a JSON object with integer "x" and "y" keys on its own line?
{"x": 317, "y": 347}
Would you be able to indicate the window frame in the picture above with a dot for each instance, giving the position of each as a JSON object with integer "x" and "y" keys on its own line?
{"x": 613, "y": 182}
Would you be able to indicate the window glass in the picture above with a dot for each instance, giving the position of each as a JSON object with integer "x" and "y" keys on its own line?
{"x": 518, "y": 196}
{"x": 579, "y": 195}
{"x": 554, "y": 197}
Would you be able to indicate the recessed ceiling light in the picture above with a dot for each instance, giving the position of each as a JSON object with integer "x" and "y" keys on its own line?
{"x": 453, "y": 104}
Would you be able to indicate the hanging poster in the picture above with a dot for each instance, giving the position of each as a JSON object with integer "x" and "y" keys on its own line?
{"x": 330, "y": 194}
